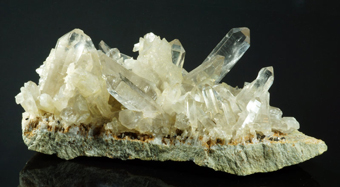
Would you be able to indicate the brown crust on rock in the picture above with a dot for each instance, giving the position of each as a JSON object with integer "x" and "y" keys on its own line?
{"x": 84, "y": 130}
{"x": 240, "y": 159}
{"x": 99, "y": 130}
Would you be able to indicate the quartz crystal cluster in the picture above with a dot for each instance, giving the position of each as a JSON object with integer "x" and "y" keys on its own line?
{"x": 153, "y": 94}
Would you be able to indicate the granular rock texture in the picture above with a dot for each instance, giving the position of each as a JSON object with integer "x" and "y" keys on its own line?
{"x": 269, "y": 154}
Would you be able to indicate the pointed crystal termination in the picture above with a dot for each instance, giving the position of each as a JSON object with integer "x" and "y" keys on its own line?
{"x": 114, "y": 53}
{"x": 104, "y": 47}
{"x": 265, "y": 78}
{"x": 69, "y": 49}
{"x": 177, "y": 53}
{"x": 132, "y": 91}
{"x": 258, "y": 87}
{"x": 231, "y": 47}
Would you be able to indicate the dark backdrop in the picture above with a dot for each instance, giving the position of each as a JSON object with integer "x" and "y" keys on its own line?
{"x": 298, "y": 38}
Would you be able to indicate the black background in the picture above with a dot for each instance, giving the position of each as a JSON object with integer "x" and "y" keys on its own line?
{"x": 298, "y": 38}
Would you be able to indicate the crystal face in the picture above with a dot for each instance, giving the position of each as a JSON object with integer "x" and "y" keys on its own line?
{"x": 177, "y": 53}
{"x": 153, "y": 94}
{"x": 223, "y": 57}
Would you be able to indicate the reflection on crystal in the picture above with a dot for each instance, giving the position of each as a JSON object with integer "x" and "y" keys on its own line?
{"x": 46, "y": 170}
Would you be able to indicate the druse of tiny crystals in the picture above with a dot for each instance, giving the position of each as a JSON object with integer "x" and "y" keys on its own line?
{"x": 153, "y": 94}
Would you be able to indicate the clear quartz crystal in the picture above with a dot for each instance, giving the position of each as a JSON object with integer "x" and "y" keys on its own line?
{"x": 132, "y": 91}
{"x": 177, "y": 53}
{"x": 231, "y": 47}
{"x": 258, "y": 87}
{"x": 154, "y": 94}
{"x": 130, "y": 118}
{"x": 71, "y": 70}
{"x": 207, "y": 72}
{"x": 114, "y": 53}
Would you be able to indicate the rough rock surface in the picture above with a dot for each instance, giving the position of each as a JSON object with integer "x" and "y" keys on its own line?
{"x": 270, "y": 154}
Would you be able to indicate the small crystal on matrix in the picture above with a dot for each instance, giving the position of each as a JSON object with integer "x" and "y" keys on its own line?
{"x": 153, "y": 103}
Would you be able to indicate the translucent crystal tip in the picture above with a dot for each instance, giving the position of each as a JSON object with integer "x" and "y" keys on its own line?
{"x": 79, "y": 31}
{"x": 270, "y": 68}
{"x": 265, "y": 78}
{"x": 266, "y": 72}
{"x": 246, "y": 32}
{"x": 103, "y": 46}
{"x": 177, "y": 53}
{"x": 176, "y": 42}
{"x": 76, "y": 35}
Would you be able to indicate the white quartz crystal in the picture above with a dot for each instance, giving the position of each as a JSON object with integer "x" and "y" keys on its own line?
{"x": 153, "y": 94}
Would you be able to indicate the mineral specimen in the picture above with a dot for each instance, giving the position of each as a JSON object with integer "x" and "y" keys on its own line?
{"x": 105, "y": 103}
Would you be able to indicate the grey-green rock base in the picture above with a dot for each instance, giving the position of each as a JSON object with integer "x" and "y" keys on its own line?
{"x": 240, "y": 159}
